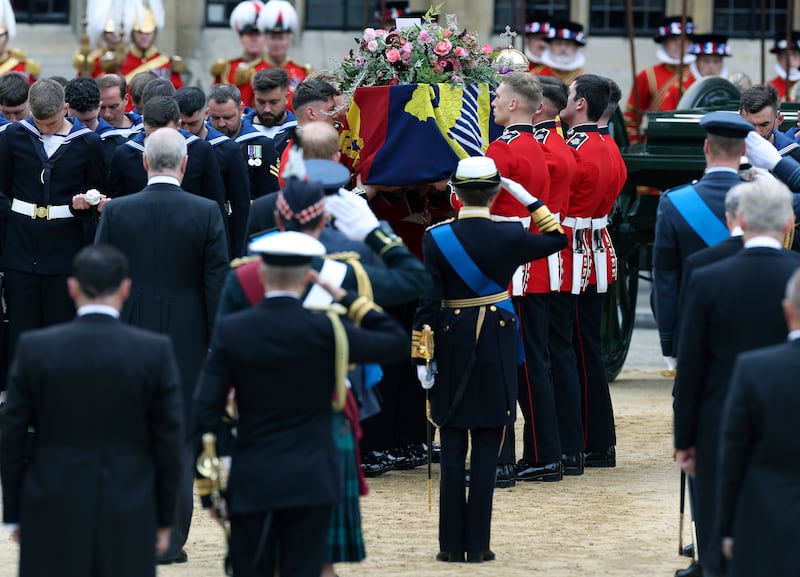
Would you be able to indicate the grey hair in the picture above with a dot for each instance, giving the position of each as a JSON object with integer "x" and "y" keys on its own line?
{"x": 165, "y": 149}
{"x": 732, "y": 199}
{"x": 793, "y": 293}
{"x": 766, "y": 206}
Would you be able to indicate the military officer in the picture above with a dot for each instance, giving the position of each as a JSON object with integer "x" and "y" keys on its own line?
{"x": 476, "y": 344}
{"x": 278, "y": 23}
{"x": 240, "y": 70}
{"x": 656, "y": 88}
{"x": 563, "y": 58}
{"x": 787, "y": 61}
{"x": 143, "y": 55}
{"x": 12, "y": 59}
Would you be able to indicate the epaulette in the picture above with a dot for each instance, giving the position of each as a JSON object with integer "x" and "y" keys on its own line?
{"x": 178, "y": 65}
{"x": 243, "y": 260}
{"x": 219, "y": 67}
{"x": 305, "y": 66}
{"x": 17, "y": 53}
{"x": 335, "y": 308}
{"x": 577, "y": 139}
{"x": 541, "y": 135}
{"x": 33, "y": 68}
{"x": 440, "y": 223}
{"x": 508, "y": 136}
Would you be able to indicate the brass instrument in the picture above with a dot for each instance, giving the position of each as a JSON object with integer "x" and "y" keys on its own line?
{"x": 210, "y": 485}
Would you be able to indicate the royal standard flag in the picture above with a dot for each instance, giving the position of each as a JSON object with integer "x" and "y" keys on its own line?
{"x": 415, "y": 134}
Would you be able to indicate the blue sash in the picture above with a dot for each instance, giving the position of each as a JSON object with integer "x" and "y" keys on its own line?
{"x": 454, "y": 253}
{"x": 697, "y": 215}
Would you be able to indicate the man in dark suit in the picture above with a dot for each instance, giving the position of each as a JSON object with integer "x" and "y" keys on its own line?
{"x": 734, "y": 306}
{"x": 202, "y": 176}
{"x": 103, "y": 460}
{"x": 177, "y": 249}
{"x": 679, "y": 233}
{"x": 477, "y": 345}
{"x": 759, "y": 477}
{"x": 281, "y": 520}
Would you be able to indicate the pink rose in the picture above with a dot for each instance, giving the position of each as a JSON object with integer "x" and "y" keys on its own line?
{"x": 442, "y": 47}
{"x": 447, "y": 32}
{"x": 369, "y": 34}
{"x": 372, "y": 45}
{"x": 393, "y": 55}
{"x": 424, "y": 36}
{"x": 457, "y": 78}
{"x": 486, "y": 49}
{"x": 461, "y": 52}
{"x": 381, "y": 32}
{"x": 406, "y": 49}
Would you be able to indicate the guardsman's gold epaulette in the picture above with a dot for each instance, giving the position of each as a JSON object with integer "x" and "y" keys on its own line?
{"x": 219, "y": 67}
{"x": 17, "y": 53}
{"x": 179, "y": 65}
{"x": 243, "y": 260}
{"x": 244, "y": 74}
{"x": 32, "y": 67}
{"x": 440, "y": 223}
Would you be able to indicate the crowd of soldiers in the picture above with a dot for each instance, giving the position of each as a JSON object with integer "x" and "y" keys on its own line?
{"x": 108, "y": 156}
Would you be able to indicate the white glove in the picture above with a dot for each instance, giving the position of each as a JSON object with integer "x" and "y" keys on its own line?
{"x": 518, "y": 191}
{"x": 425, "y": 377}
{"x": 352, "y": 215}
{"x": 93, "y": 196}
{"x": 672, "y": 363}
{"x": 760, "y": 152}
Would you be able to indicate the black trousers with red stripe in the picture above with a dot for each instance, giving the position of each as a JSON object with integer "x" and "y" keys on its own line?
{"x": 596, "y": 410}
{"x": 540, "y": 438}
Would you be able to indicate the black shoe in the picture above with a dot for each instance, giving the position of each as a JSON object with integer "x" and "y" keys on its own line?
{"x": 693, "y": 570}
{"x": 688, "y": 551}
{"x": 505, "y": 478}
{"x": 382, "y": 458}
{"x": 436, "y": 452}
{"x": 573, "y": 463}
{"x": 181, "y": 557}
{"x": 480, "y": 556}
{"x": 607, "y": 458}
{"x": 373, "y": 469}
{"x": 534, "y": 472}
{"x": 408, "y": 457}
{"x": 447, "y": 557}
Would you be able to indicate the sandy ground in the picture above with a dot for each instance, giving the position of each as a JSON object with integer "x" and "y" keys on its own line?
{"x": 620, "y": 522}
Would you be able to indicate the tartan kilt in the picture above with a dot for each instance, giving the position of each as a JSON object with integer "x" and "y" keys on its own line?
{"x": 345, "y": 540}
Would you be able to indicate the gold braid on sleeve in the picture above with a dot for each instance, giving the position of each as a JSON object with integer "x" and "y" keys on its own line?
{"x": 545, "y": 221}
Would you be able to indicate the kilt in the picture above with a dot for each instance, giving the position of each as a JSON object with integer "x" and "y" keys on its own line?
{"x": 345, "y": 540}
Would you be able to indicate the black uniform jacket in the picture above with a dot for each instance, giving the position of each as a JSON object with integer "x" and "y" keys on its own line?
{"x": 497, "y": 249}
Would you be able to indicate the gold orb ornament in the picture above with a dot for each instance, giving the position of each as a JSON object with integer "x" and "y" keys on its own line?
{"x": 510, "y": 59}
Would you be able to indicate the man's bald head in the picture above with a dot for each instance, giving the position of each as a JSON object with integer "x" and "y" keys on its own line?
{"x": 320, "y": 140}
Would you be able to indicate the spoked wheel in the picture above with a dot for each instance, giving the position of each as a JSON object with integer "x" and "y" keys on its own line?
{"x": 619, "y": 313}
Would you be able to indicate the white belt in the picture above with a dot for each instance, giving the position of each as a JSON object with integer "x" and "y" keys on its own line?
{"x": 599, "y": 223}
{"x": 50, "y": 212}
{"x": 525, "y": 221}
{"x": 576, "y": 223}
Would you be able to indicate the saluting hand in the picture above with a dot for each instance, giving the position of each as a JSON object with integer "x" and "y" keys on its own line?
{"x": 336, "y": 292}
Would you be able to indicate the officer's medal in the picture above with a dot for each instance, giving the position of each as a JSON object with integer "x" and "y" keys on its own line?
{"x": 254, "y": 155}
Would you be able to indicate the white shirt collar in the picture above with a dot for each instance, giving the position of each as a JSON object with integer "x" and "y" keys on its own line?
{"x": 763, "y": 241}
{"x": 163, "y": 180}
{"x": 275, "y": 294}
{"x": 720, "y": 169}
{"x": 794, "y": 335}
{"x": 98, "y": 310}
{"x": 737, "y": 231}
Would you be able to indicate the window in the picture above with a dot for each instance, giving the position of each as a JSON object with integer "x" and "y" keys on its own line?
{"x": 742, "y": 19}
{"x": 340, "y": 14}
{"x": 610, "y": 17}
{"x": 510, "y": 13}
{"x": 29, "y": 11}
{"x": 218, "y": 12}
